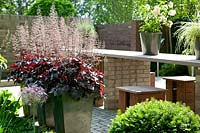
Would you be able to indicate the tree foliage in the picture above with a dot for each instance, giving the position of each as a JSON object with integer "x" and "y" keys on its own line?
{"x": 106, "y": 11}
{"x": 21, "y": 6}
{"x": 121, "y": 11}
{"x": 7, "y": 7}
{"x": 15, "y": 6}
{"x": 64, "y": 8}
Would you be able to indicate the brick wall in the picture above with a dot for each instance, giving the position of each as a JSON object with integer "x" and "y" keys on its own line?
{"x": 123, "y": 72}
{"x": 120, "y": 36}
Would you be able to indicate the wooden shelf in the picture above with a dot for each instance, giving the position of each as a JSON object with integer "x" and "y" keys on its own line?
{"x": 188, "y": 60}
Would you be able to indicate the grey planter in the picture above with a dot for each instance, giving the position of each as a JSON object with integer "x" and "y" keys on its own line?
{"x": 150, "y": 42}
{"x": 197, "y": 48}
{"x": 76, "y": 115}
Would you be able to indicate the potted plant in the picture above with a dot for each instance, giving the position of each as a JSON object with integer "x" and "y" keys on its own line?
{"x": 74, "y": 77}
{"x": 188, "y": 35}
{"x": 150, "y": 30}
{"x": 57, "y": 57}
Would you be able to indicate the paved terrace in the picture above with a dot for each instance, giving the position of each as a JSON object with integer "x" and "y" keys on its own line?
{"x": 101, "y": 118}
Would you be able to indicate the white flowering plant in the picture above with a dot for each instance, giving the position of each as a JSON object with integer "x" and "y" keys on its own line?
{"x": 33, "y": 94}
{"x": 156, "y": 17}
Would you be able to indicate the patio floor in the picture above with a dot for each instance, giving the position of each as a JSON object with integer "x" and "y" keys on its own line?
{"x": 101, "y": 118}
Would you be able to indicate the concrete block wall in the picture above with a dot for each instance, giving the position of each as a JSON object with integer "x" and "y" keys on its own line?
{"x": 123, "y": 72}
{"x": 9, "y": 23}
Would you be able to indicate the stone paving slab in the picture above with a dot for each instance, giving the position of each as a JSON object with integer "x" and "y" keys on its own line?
{"x": 101, "y": 120}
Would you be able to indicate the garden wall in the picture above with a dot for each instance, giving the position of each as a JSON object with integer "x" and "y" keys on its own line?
{"x": 122, "y": 72}
{"x": 118, "y": 72}
{"x": 120, "y": 36}
{"x": 9, "y": 23}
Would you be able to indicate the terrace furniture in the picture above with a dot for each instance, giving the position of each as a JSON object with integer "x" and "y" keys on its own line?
{"x": 130, "y": 95}
{"x": 182, "y": 89}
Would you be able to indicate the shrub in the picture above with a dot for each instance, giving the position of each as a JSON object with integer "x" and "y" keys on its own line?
{"x": 64, "y": 8}
{"x": 173, "y": 70}
{"x": 10, "y": 122}
{"x": 3, "y": 62}
{"x": 156, "y": 117}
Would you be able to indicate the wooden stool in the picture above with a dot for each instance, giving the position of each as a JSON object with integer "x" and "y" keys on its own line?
{"x": 130, "y": 95}
{"x": 182, "y": 89}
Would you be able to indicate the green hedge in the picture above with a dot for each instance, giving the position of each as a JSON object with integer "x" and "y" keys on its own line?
{"x": 173, "y": 70}
{"x": 156, "y": 117}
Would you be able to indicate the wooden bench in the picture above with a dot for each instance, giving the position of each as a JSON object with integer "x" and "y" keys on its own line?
{"x": 130, "y": 95}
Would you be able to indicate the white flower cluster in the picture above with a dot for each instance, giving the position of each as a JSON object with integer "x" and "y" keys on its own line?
{"x": 33, "y": 94}
{"x": 163, "y": 12}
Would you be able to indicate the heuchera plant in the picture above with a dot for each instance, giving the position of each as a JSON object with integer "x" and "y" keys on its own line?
{"x": 57, "y": 57}
{"x": 74, "y": 75}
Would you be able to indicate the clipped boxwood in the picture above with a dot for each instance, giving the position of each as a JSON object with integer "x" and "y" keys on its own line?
{"x": 156, "y": 117}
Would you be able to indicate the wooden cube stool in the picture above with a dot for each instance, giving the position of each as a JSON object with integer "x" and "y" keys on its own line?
{"x": 130, "y": 95}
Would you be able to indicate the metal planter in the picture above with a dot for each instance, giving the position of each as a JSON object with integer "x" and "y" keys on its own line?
{"x": 150, "y": 42}
{"x": 197, "y": 48}
{"x": 65, "y": 112}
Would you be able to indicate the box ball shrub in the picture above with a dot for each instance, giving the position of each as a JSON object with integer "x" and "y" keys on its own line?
{"x": 156, "y": 117}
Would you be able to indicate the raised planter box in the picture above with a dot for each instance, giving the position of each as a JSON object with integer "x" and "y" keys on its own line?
{"x": 77, "y": 115}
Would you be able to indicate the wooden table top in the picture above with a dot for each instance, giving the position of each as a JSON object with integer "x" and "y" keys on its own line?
{"x": 140, "y": 89}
